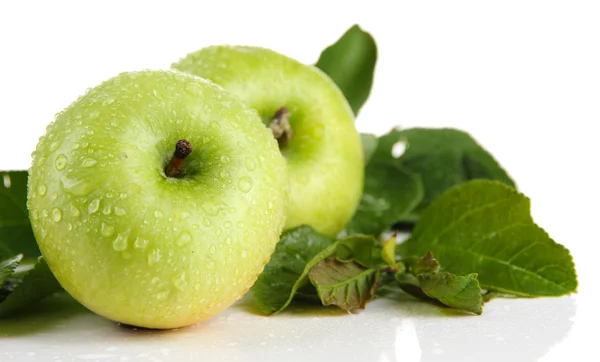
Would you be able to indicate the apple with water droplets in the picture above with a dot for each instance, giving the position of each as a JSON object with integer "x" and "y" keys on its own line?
{"x": 310, "y": 118}
{"x": 157, "y": 198}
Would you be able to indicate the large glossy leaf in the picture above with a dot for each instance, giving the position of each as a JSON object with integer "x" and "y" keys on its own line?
{"x": 287, "y": 270}
{"x": 485, "y": 227}
{"x": 345, "y": 284}
{"x": 16, "y": 235}
{"x": 390, "y": 192}
{"x": 350, "y": 62}
{"x": 442, "y": 158}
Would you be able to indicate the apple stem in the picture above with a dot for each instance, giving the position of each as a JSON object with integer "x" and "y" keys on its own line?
{"x": 182, "y": 149}
{"x": 280, "y": 125}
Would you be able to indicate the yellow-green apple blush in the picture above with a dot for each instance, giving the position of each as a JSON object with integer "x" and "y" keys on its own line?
{"x": 157, "y": 198}
{"x": 311, "y": 120}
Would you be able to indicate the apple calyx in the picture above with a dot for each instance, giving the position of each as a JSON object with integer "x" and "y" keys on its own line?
{"x": 280, "y": 125}
{"x": 182, "y": 149}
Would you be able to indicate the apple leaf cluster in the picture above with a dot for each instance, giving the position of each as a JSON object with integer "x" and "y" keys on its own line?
{"x": 472, "y": 235}
{"x": 460, "y": 204}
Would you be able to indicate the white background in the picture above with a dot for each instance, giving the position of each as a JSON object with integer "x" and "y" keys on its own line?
{"x": 523, "y": 77}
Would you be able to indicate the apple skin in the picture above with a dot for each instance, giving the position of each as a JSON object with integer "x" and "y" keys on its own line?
{"x": 133, "y": 245}
{"x": 324, "y": 156}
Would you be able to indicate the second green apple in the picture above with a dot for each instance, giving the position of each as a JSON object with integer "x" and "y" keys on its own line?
{"x": 311, "y": 120}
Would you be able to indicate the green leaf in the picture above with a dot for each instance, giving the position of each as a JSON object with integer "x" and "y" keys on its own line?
{"x": 461, "y": 292}
{"x": 16, "y": 235}
{"x": 485, "y": 227}
{"x": 345, "y": 284}
{"x": 8, "y": 266}
{"x": 350, "y": 62}
{"x": 37, "y": 284}
{"x": 427, "y": 264}
{"x": 363, "y": 249}
{"x": 293, "y": 258}
{"x": 442, "y": 158}
{"x": 409, "y": 283}
{"x": 390, "y": 193}
{"x": 427, "y": 282}
{"x": 369, "y": 145}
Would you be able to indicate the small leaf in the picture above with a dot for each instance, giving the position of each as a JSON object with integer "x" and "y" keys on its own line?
{"x": 442, "y": 158}
{"x": 289, "y": 265}
{"x": 37, "y": 284}
{"x": 388, "y": 252}
{"x": 427, "y": 264}
{"x": 363, "y": 249}
{"x": 390, "y": 193}
{"x": 350, "y": 63}
{"x": 485, "y": 227}
{"x": 347, "y": 285}
{"x": 16, "y": 235}
{"x": 409, "y": 283}
{"x": 369, "y": 144}
{"x": 8, "y": 266}
{"x": 460, "y": 292}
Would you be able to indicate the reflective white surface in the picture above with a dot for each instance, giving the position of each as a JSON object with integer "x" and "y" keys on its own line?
{"x": 388, "y": 330}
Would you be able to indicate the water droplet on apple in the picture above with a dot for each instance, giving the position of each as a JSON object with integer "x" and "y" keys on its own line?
{"x": 70, "y": 227}
{"x": 240, "y": 224}
{"x": 228, "y": 240}
{"x": 195, "y": 226}
{"x": 183, "y": 239}
{"x": 94, "y": 206}
{"x": 61, "y": 162}
{"x": 54, "y": 195}
{"x": 56, "y": 214}
{"x": 180, "y": 282}
{"x": 109, "y": 100}
{"x": 123, "y": 196}
{"x": 270, "y": 205}
{"x": 162, "y": 295}
{"x": 119, "y": 211}
{"x": 74, "y": 211}
{"x": 75, "y": 186}
{"x": 245, "y": 184}
{"x": 140, "y": 243}
{"x": 154, "y": 257}
{"x": 54, "y": 146}
{"x": 107, "y": 210}
{"x": 224, "y": 174}
{"x": 42, "y": 190}
{"x": 44, "y": 213}
{"x": 244, "y": 254}
{"x": 212, "y": 249}
{"x": 158, "y": 214}
{"x": 75, "y": 145}
{"x": 88, "y": 162}
{"x": 120, "y": 243}
{"x": 250, "y": 164}
{"x": 107, "y": 230}
{"x": 35, "y": 214}
{"x": 210, "y": 264}
{"x": 206, "y": 222}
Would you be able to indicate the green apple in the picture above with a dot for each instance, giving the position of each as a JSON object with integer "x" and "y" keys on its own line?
{"x": 140, "y": 236}
{"x": 323, "y": 149}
